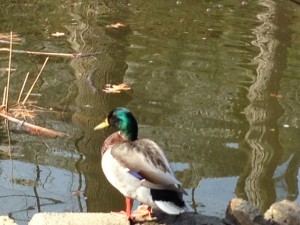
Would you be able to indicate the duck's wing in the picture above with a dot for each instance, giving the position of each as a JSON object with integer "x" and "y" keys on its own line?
{"x": 146, "y": 161}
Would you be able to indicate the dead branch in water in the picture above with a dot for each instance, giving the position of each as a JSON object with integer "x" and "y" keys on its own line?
{"x": 34, "y": 129}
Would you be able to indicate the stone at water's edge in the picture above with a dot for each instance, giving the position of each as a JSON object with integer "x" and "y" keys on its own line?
{"x": 241, "y": 212}
{"x": 284, "y": 213}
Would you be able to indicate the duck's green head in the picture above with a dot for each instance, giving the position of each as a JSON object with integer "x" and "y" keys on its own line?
{"x": 122, "y": 119}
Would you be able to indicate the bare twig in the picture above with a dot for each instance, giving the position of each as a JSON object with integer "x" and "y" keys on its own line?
{"x": 21, "y": 92}
{"x": 34, "y": 129}
{"x": 36, "y": 79}
{"x": 40, "y": 53}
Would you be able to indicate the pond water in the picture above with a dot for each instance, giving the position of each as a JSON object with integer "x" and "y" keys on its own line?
{"x": 215, "y": 83}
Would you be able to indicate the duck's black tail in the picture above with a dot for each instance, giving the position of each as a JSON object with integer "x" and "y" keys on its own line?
{"x": 170, "y": 202}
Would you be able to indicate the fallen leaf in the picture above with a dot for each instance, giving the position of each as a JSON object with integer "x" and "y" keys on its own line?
{"x": 116, "y": 25}
{"x": 58, "y": 34}
{"x": 111, "y": 88}
{"x": 278, "y": 96}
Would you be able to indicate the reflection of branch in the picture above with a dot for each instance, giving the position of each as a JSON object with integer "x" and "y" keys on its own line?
{"x": 32, "y": 207}
{"x": 37, "y": 197}
{"x": 194, "y": 204}
{"x": 9, "y": 151}
{"x": 79, "y": 181}
{"x": 55, "y": 201}
{"x": 34, "y": 129}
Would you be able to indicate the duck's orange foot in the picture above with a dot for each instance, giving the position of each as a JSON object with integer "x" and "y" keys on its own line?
{"x": 124, "y": 214}
{"x": 143, "y": 213}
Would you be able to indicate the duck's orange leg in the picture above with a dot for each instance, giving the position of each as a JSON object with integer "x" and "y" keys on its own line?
{"x": 129, "y": 203}
{"x": 143, "y": 212}
{"x": 128, "y": 209}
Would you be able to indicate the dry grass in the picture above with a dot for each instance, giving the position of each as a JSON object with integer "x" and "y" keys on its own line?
{"x": 20, "y": 109}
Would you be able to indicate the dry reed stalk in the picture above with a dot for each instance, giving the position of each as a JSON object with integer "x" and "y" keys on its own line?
{"x": 6, "y": 69}
{"x": 71, "y": 55}
{"x": 36, "y": 79}
{"x": 9, "y": 73}
{"x": 4, "y": 96}
{"x": 21, "y": 92}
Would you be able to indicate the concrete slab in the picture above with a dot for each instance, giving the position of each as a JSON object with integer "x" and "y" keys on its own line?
{"x": 77, "y": 219}
{"x": 5, "y": 220}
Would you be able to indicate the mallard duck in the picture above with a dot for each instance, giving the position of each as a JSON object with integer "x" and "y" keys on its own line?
{"x": 138, "y": 167}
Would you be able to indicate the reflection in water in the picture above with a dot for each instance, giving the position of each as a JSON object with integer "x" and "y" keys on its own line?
{"x": 92, "y": 73}
{"x": 264, "y": 109}
{"x": 38, "y": 204}
{"x": 21, "y": 196}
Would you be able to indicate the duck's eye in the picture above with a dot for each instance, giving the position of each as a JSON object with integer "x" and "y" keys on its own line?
{"x": 115, "y": 120}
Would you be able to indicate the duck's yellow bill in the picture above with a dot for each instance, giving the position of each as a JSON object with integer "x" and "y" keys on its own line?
{"x": 102, "y": 125}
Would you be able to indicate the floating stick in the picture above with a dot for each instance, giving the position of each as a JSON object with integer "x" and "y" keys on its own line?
{"x": 71, "y": 55}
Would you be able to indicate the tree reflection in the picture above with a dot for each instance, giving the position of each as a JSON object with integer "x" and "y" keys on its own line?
{"x": 92, "y": 104}
{"x": 264, "y": 110}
